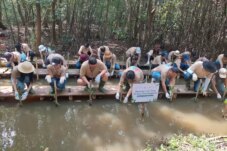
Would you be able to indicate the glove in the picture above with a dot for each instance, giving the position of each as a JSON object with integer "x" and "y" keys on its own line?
{"x": 111, "y": 73}
{"x": 44, "y": 66}
{"x": 194, "y": 77}
{"x": 167, "y": 95}
{"x": 24, "y": 96}
{"x": 204, "y": 93}
{"x": 67, "y": 75}
{"x": 218, "y": 96}
{"x": 48, "y": 78}
{"x": 125, "y": 100}
{"x": 62, "y": 79}
{"x": 117, "y": 96}
{"x": 17, "y": 96}
{"x": 98, "y": 78}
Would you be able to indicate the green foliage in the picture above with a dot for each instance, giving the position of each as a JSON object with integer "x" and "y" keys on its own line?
{"x": 189, "y": 142}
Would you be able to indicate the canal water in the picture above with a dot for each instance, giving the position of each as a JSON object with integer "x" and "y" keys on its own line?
{"x": 107, "y": 125}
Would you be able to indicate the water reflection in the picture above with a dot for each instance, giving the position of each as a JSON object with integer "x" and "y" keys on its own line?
{"x": 107, "y": 125}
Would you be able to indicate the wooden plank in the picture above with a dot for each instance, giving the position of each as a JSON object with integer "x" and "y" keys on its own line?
{"x": 43, "y": 91}
{"x": 72, "y": 72}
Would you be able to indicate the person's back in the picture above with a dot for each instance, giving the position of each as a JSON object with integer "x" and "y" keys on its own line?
{"x": 53, "y": 55}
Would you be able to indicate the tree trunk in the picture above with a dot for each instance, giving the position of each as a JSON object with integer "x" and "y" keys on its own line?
{"x": 106, "y": 20}
{"x": 17, "y": 22}
{"x": 38, "y": 24}
{"x": 53, "y": 5}
{"x": 9, "y": 24}
{"x": 0, "y": 11}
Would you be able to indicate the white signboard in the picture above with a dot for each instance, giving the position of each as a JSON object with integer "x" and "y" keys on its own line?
{"x": 145, "y": 92}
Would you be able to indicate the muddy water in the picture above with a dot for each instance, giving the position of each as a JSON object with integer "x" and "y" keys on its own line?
{"x": 107, "y": 125}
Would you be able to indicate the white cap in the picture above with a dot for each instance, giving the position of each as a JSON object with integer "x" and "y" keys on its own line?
{"x": 222, "y": 73}
{"x": 42, "y": 48}
{"x": 138, "y": 50}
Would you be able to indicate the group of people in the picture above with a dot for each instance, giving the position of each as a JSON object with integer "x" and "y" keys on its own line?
{"x": 165, "y": 67}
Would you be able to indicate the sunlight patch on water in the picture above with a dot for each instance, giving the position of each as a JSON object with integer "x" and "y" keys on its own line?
{"x": 194, "y": 121}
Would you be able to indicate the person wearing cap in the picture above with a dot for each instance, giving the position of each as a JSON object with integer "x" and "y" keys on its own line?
{"x": 83, "y": 58}
{"x": 13, "y": 58}
{"x": 101, "y": 51}
{"x": 200, "y": 70}
{"x": 22, "y": 77}
{"x": 85, "y": 49}
{"x": 56, "y": 72}
{"x": 132, "y": 61}
{"x": 173, "y": 55}
{"x": 134, "y": 50}
{"x": 110, "y": 61}
{"x": 219, "y": 82}
{"x": 28, "y": 51}
{"x": 160, "y": 59}
{"x": 153, "y": 53}
{"x": 129, "y": 77}
{"x": 44, "y": 53}
{"x": 167, "y": 76}
{"x": 93, "y": 69}
{"x": 221, "y": 61}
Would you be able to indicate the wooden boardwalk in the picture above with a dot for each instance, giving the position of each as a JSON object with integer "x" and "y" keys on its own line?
{"x": 43, "y": 72}
{"x": 78, "y": 91}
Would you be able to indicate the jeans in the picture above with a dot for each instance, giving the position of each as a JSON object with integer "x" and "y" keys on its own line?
{"x": 58, "y": 84}
{"x": 78, "y": 65}
{"x": 21, "y": 83}
{"x": 116, "y": 66}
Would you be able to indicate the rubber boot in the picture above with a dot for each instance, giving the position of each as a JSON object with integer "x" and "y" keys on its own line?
{"x": 148, "y": 60}
{"x": 188, "y": 85}
{"x": 101, "y": 86}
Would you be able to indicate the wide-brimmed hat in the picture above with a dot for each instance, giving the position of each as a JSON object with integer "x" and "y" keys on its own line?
{"x": 26, "y": 67}
{"x": 108, "y": 54}
{"x": 209, "y": 66}
{"x": 42, "y": 48}
{"x": 176, "y": 53}
{"x": 83, "y": 57}
{"x": 222, "y": 73}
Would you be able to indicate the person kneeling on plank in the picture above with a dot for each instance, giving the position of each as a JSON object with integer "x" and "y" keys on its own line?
{"x": 167, "y": 75}
{"x": 132, "y": 51}
{"x": 200, "y": 70}
{"x": 82, "y": 58}
{"x": 221, "y": 61}
{"x": 109, "y": 59}
{"x": 93, "y": 69}
{"x": 129, "y": 77}
{"x": 101, "y": 51}
{"x": 219, "y": 82}
{"x": 22, "y": 77}
{"x": 44, "y": 53}
{"x": 30, "y": 54}
{"x": 13, "y": 58}
{"x": 132, "y": 61}
{"x": 56, "y": 72}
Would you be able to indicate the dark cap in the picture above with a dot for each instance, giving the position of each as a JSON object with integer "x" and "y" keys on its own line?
{"x": 130, "y": 75}
{"x": 56, "y": 61}
{"x": 92, "y": 60}
{"x": 209, "y": 66}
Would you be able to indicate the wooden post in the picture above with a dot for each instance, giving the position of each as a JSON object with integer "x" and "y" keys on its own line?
{"x": 55, "y": 94}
